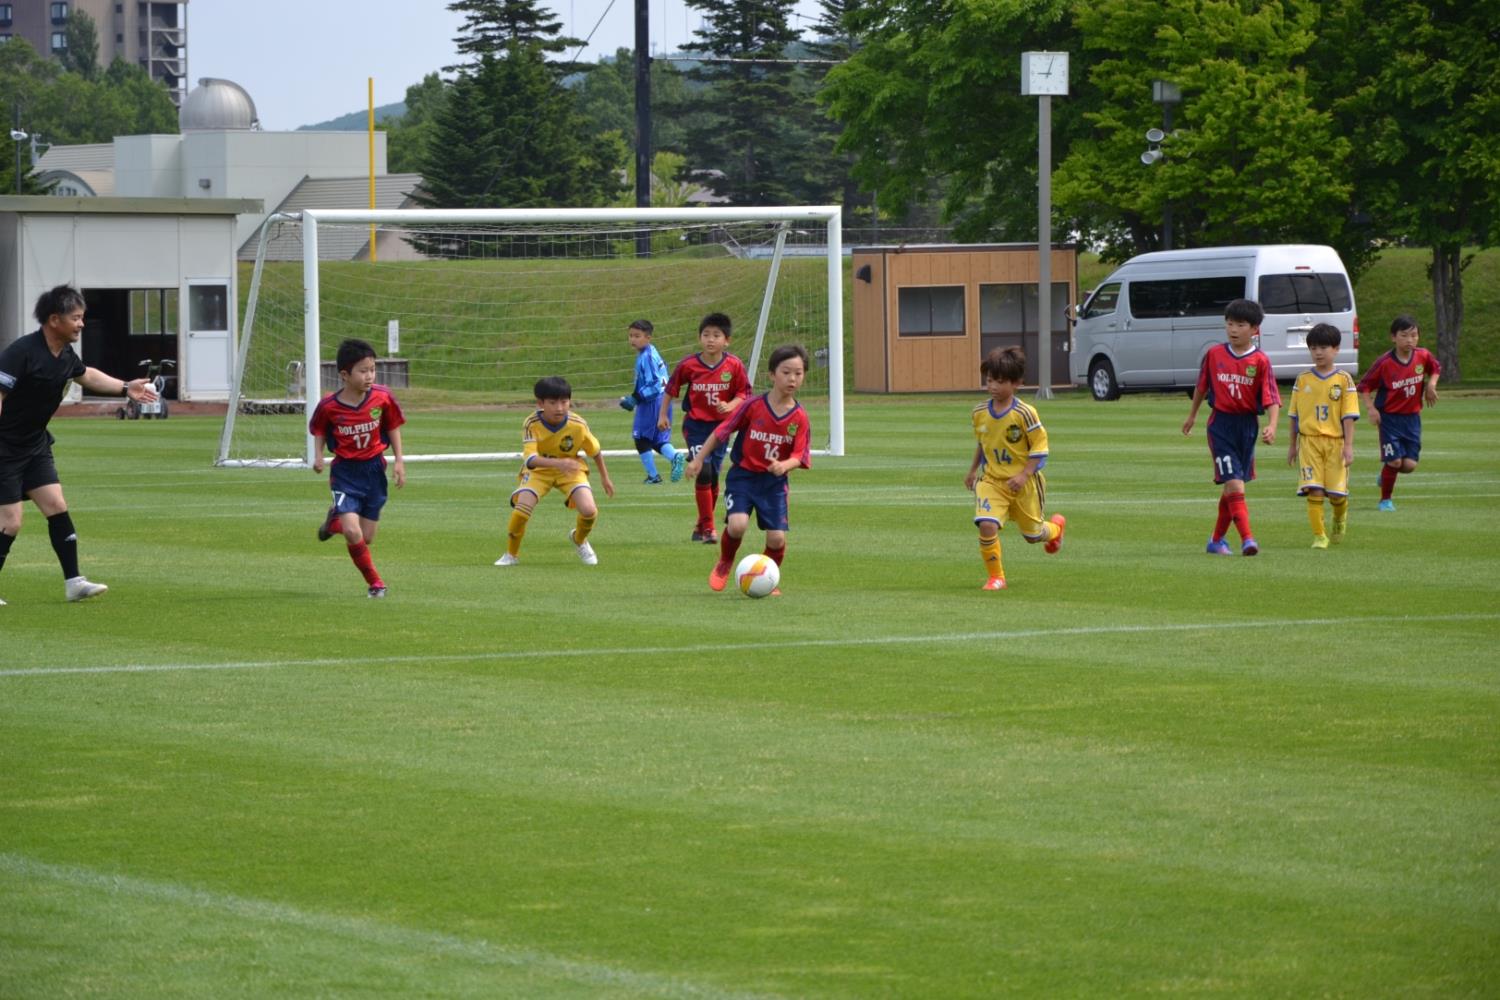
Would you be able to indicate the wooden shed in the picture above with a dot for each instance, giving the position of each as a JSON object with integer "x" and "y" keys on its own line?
{"x": 925, "y": 315}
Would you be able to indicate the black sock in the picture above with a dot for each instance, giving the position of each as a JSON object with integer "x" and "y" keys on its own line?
{"x": 5, "y": 541}
{"x": 64, "y": 543}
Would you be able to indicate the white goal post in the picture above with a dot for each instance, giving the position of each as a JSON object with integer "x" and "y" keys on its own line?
{"x": 476, "y": 304}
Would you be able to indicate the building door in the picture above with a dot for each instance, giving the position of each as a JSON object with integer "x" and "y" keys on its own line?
{"x": 207, "y": 357}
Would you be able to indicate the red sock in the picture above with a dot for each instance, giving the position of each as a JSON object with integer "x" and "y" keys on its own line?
{"x": 776, "y": 555}
{"x": 1240, "y": 513}
{"x": 360, "y": 553}
{"x": 1388, "y": 476}
{"x": 1222, "y": 524}
{"x": 705, "y": 497}
{"x": 728, "y": 546}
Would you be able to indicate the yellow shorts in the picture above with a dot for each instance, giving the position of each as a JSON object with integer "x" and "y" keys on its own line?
{"x": 543, "y": 481}
{"x": 995, "y": 502}
{"x": 1320, "y": 465}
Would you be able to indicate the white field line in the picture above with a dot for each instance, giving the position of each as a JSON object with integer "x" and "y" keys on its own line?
{"x": 894, "y": 640}
{"x": 367, "y": 932}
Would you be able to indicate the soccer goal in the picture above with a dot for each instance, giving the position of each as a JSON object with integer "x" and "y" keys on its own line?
{"x": 468, "y": 308}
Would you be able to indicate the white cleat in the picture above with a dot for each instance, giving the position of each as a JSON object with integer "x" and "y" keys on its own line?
{"x": 2, "y": 604}
{"x": 80, "y": 589}
{"x": 507, "y": 560}
{"x": 585, "y": 551}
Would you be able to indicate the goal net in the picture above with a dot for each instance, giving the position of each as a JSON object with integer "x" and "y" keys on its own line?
{"x": 466, "y": 309}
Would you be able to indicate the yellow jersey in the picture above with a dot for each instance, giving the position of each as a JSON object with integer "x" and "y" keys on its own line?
{"x": 1009, "y": 439}
{"x": 565, "y": 441}
{"x": 1321, "y": 403}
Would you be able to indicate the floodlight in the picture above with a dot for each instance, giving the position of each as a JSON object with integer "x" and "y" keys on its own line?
{"x": 1155, "y": 135}
{"x": 1150, "y": 156}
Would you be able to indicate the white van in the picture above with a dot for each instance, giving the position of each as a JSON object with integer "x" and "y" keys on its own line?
{"x": 1148, "y": 325}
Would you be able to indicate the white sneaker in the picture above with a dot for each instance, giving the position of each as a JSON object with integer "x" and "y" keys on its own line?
{"x": 585, "y": 551}
{"x": 2, "y": 604}
{"x": 80, "y": 589}
{"x": 507, "y": 560}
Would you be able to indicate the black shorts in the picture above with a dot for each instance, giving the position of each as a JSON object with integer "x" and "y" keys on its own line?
{"x": 20, "y": 475}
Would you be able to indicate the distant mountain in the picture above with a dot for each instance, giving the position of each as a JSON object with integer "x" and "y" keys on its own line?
{"x": 357, "y": 121}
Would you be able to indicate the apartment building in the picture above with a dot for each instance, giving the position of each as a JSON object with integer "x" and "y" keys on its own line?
{"x": 152, "y": 35}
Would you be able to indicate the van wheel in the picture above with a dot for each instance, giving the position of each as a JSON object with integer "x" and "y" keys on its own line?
{"x": 1102, "y": 381}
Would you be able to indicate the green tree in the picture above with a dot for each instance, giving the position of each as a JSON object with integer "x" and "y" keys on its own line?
{"x": 930, "y": 106}
{"x": 835, "y": 39}
{"x": 81, "y": 52}
{"x": 606, "y": 100}
{"x": 758, "y": 128}
{"x": 407, "y": 136}
{"x": 1419, "y": 84}
{"x": 146, "y": 107}
{"x": 1250, "y": 159}
{"x": 492, "y": 26}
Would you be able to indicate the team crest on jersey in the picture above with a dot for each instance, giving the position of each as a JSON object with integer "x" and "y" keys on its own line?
{"x": 1012, "y": 433}
{"x": 1335, "y": 392}
{"x": 791, "y": 428}
{"x": 567, "y": 442}
{"x": 1419, "y": 369}
{"x": 725, "y": 376}
{"x": 1250, "y": 370}
{"x": 374, "y": 413}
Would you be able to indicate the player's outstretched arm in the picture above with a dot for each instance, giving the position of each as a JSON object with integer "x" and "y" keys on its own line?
{"x": 604, "y": 480}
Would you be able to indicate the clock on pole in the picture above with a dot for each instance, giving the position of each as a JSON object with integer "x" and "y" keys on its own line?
{"x": 1044, "y": 75}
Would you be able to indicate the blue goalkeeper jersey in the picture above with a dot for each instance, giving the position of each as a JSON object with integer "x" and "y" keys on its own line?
{"x": 650, "y": 373}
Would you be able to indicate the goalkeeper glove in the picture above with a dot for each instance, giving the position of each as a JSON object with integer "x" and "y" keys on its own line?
{"x": 627, "y": 403}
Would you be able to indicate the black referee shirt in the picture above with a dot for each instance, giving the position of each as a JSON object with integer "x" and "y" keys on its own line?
{"x": 34, "y": 382}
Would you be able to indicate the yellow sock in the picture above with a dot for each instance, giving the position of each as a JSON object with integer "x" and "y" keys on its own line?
{"x": 1315, "y": 513}
{"x": 989, "y": 551}
{"x": 582, "y": 529}
{"x": 1340, "y": 507}
{"x": 516, "y": 530}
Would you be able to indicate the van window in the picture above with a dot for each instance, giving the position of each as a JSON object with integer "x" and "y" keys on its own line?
{"x": 1175, "y": 297}
{"x": 1103, "y": 302}
{"x": 1305, "y": 293}
{"x": 931, "y": 312}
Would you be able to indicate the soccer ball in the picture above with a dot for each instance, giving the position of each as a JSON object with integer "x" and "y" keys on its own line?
{"x": 757, "y": 575}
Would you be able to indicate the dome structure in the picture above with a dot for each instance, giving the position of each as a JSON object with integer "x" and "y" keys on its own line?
{"x": 217, "y": 105}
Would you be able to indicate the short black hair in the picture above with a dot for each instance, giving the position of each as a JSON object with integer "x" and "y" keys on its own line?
{"x": 553, "y": 387}
{"x": 1245, "y": 311}
{"x": 1004, "y": 364}
{"x": 785, "y": 353}
{"x": 643, "y": 325}
{"x": 351, "y": 352}
{"x": 57, "y": 301}
{"x": 720, "y": 320}
{"x": 1403, "y": 322}
{"x": 1324, "y": 335}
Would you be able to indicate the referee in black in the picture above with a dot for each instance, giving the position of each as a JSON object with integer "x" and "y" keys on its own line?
{"x": 34, "y": 373}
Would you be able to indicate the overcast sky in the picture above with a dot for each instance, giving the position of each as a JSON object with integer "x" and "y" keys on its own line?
{"x": 306, "y": 61}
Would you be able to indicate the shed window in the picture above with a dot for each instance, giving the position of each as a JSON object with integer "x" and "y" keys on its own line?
{"x": 1014, "y": 308}
{"x": 931, "y": 311}
{"x": 153, "y": 311}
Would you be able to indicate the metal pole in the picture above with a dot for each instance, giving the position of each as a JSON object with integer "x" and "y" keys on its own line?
{"x": 17, "y": 130}
{"x": 1044, "y": 247}
{"x": 642, "y": 119}
{"x": 1166, "y": 212}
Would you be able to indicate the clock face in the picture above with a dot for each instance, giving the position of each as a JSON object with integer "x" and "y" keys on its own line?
{"x": 1045, "y": 73}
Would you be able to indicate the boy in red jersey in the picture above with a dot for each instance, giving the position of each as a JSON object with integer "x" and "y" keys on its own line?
{"x": 1397, "y": 383}
{"x": 1239, "y": 384}
{"x": 358, "y": 422}
{"x": 716, "y": 384}
{"x": 773, "y": 440}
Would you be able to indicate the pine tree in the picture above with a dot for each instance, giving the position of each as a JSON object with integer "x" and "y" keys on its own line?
{"x": 491, "y": 26}
{"x": 759, "y": 132}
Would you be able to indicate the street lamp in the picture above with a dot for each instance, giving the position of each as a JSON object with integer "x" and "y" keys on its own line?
{"x": 1168, "y": 95}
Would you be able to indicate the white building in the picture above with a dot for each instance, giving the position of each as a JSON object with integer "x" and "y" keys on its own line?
{"x": 222, "y": 153}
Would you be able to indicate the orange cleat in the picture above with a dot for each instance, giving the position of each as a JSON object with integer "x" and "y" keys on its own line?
{"x": 995, "y": 583}
{"x": 1056, "y": 543}
{"x": 719, "y": 577}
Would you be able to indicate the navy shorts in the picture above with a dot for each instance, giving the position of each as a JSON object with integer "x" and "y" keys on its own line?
{"x": 1231, "y": 443}
{"x": 20, "y": 475}
{"x": 358, "y": 487}
{"x": 643, "y": 428}
{"x": 695, "y": 432}
{"x": 1400, "y": 436}
{"x": 758, "y": 491}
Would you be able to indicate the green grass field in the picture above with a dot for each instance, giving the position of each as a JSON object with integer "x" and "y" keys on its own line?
{"x": 1140, "y": 771}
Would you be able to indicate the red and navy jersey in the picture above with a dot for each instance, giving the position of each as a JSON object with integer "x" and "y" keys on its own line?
{"x": 357, "y": 432}
{"x": 1235, "y": 383}
{"x": 1397, "y": 384}
{"x": 765, "y": 435}
{"x": 708, "y": 385}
